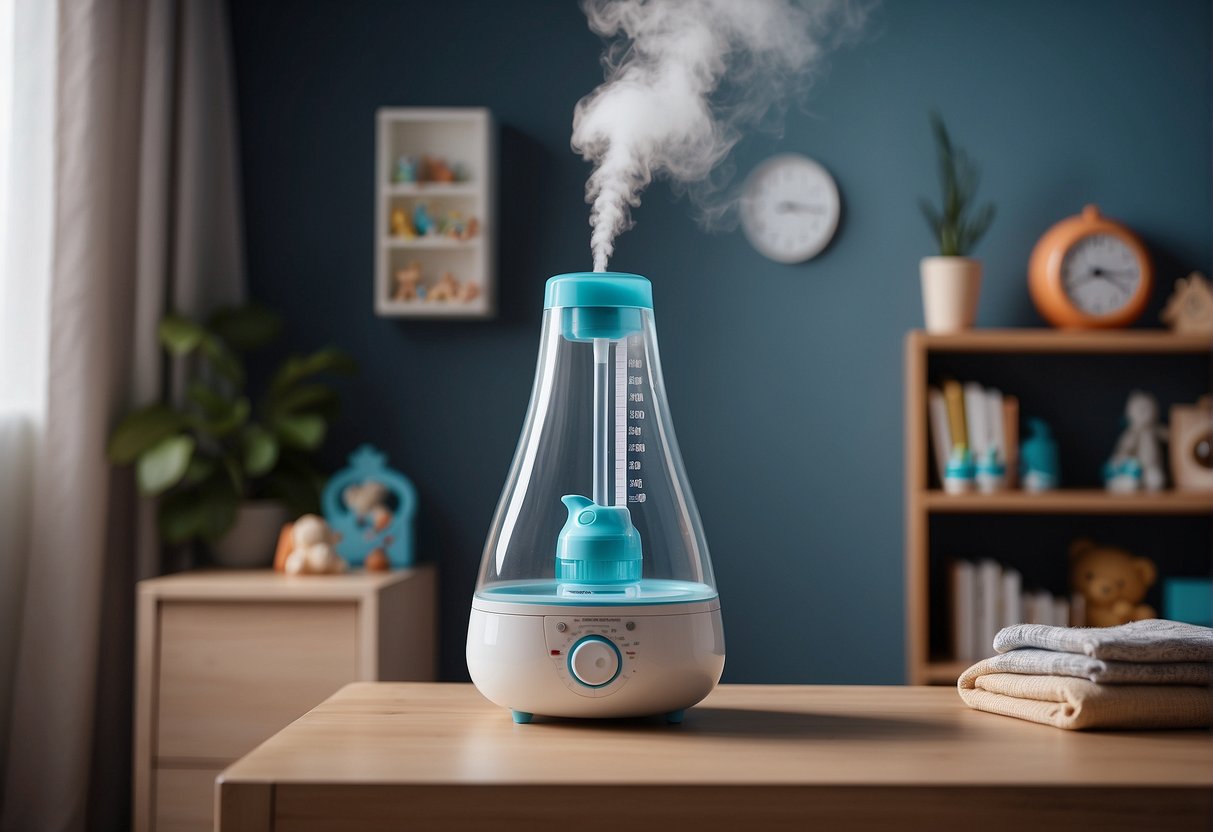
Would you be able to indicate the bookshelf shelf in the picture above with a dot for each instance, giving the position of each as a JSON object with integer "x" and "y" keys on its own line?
{"x": 1059, "y": 342}
{"x": 1069, "y": 501}
{"x": 925, "y": 663}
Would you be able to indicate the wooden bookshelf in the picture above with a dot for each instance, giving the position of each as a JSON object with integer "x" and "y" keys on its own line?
{"x": 923, "y": 502}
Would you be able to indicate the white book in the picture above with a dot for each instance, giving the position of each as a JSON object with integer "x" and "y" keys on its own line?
{"x": 994, "y": 424}
{"x": 964, "y": 589}
{"x": 1061, "y": 612}
{"x": 989, "y": 597}
{"x": 976, "y": 419}
{"x": 1078, "y": 610}
{"x": 941, "y": 434}
{"x": 1044, "y": 607}
{"x": 1011, "y": 609}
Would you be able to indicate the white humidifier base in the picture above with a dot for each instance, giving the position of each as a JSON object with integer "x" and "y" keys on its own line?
{"x": 595, "y": 661}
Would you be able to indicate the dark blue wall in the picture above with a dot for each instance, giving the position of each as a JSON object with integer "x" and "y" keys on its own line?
{"x": 784, "y": 381}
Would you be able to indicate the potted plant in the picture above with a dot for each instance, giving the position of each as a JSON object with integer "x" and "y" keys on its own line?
{"x": 229, "y": 470}
{"x": 951, "y": 281}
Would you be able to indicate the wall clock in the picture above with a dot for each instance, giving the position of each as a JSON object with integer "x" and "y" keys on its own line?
{"x": 789, "y": 208}
{"x": 1089, "y": 271}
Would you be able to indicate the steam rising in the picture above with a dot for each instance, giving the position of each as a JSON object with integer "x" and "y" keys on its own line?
{"x": 684, "y": 78}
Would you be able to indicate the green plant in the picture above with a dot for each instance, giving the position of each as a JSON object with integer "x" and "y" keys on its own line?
{"x": 956, "y": 226}
{"x": 218, "y": 448}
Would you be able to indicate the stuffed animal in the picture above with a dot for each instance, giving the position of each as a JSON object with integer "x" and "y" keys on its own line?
{"x": 1112, "y": 582}
{"x": 408, "y": 282}
{"x": 313, "y": 552}
{"x": 1137, "y": 461}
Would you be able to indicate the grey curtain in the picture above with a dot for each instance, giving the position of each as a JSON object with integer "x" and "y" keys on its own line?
{"x": 146, "y": 219}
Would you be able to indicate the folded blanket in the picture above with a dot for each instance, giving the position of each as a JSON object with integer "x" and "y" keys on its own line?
{"x": 1031, "y": 660}
{"x": 1066, "y": 702}
{"x": 1152, "y": 640}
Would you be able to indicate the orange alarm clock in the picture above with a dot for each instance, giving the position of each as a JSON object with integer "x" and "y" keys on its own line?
{"x": 1089, "y": 272}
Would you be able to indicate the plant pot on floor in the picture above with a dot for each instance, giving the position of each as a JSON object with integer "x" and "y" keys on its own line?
{"x": 249, "y": 544}
{"x": 950, "y": 289}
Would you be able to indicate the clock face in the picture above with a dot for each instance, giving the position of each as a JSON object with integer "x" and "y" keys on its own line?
{"x": 789, "y": 208}
{"x": 1100, "y": 274}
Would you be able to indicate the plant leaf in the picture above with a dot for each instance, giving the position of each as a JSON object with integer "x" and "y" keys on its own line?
{"x": 312, "y": 398}
{"x": 142, "y": 429}
{"x": 245, "y": 327}
{"x": 212, "y": 403}
{"x": 200, "y": 468}
{"x": 163, "y": 465}
{"x": 206, "y": 511}
{"x": 180, "y": 336}
{"x": 260, "y": 450}
{"x": 327, "y": 360}
{"x": 303, "y": 430}
{"x": 223, "y": 359}
{"x": 223, "y": 424}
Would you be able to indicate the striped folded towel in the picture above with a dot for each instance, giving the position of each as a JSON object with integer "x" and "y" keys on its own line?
{"x": 1146, "y": 674}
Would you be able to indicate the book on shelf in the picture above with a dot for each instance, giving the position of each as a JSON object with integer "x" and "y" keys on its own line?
{"x": 987, "y": 596}
{"x": 980, "y": 418}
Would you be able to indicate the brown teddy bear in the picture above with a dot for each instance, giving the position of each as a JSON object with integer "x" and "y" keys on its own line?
{"x": 1112, "y": 581}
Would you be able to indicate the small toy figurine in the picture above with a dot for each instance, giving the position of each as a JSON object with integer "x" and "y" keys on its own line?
{"x": 470, "y": 229}
{"x": 1038, "y": 468}
{"x": 313, "y": 551}
{"x": 1112, "y": 583}
{"x": 406, "y": 169}
{"x": 423, "y": 221}
{"x": 470, "y": 292}
{"x": 1137, "y": 461}
{"x": 1189, "y": 311}
{"x": 408, "y": 283}
{"x": 401, "y": 227}
{"x": 454, "y": 225}
{"x": 437, "y": 170}
{"x": 447, "y": 288}
{"x": 959, "y": 475}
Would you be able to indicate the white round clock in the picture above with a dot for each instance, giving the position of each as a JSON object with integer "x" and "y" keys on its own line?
{"x": 789, "y": 208}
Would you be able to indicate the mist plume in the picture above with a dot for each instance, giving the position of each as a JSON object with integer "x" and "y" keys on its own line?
{"x": 684, "y": 80}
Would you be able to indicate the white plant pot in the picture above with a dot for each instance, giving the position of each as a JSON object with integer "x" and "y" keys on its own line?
{"x": 950, "y": 288}
{"x": 250, "y": 543}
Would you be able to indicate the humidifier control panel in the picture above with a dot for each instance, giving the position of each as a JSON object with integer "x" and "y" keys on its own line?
{"x": 593, "y": 655}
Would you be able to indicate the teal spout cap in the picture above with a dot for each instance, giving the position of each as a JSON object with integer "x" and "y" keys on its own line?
{"x": 598, "y": 544}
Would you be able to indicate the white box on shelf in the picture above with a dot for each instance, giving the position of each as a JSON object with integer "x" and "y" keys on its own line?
{"x": 463, "y": 138}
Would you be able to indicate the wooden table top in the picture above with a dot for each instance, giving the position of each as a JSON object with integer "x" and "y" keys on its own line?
{"x": 429, "y": 734}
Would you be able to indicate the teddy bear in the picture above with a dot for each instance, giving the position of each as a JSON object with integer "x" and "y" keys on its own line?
{"x": 408, "y": 280}
{"x": 1112, "y": 582}
{"x": 313, "y": 549}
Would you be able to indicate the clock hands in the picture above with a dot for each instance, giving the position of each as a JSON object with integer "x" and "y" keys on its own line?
{"x": 787, "y": 206}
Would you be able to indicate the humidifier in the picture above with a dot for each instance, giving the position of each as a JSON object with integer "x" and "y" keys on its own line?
{"x": 595, "y": 596}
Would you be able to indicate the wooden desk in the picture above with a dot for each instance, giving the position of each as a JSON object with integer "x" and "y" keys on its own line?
{"x": 384, "y": 756}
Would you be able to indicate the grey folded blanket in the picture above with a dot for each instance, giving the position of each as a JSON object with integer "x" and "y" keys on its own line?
{"x": 1152, "y": 641}
{"x": 1034, "y": 661}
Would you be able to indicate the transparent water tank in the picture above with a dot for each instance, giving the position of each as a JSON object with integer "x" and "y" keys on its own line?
{"x": 596, "y": 508}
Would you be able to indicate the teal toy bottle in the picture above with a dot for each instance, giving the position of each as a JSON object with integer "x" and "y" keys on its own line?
{"x": 596, "y": 534}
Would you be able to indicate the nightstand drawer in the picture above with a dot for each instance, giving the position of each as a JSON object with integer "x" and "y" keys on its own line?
{"x": 185, "y": 799}
{"x": 232, "y": 673}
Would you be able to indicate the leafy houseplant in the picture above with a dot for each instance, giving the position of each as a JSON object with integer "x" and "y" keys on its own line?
{"x": 951, "y": 281}
{"x": 218, "y": 449}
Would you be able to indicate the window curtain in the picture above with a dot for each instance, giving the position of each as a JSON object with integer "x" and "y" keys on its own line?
{"x": 142, "y": 216}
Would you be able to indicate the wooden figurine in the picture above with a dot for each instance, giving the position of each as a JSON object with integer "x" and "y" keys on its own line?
{"x": 408, "y": 281}
{"x": 401, "y": 227}
{"x": 471, "y": 291}
{"x": 1192, "y": 444}
{"x": 1189, "y": 311}
{"x": 447, "y": 288}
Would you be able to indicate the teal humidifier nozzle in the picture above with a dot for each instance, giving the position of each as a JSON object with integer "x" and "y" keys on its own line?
{"x": 598, "y": 551}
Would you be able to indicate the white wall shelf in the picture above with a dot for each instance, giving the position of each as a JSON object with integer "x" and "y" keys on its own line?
{"x": 463, "y": 138}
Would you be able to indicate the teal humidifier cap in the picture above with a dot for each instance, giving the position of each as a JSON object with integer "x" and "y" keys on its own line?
{"x": 595, "y": 305}
{"x": 598, "y": 544}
